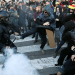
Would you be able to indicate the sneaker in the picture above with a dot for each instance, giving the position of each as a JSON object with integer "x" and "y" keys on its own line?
{"x": 18, "y": 37}
{"x": 55, "y": 54}
{"x": 43, "y": 52}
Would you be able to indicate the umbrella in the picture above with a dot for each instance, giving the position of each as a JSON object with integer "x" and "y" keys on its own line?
{"x": 71, "y": 6}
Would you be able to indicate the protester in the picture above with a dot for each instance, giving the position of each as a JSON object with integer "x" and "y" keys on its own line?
{"x": 36, "y": 14}
{"x": 45, "y": 18}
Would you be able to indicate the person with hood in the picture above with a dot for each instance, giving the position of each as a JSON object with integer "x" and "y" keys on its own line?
{"x": 44, "y": 21}
{"x": 67, "y": 23}
{"x": 70, "y": 41}
{"x": 70, "y": 17}
{"x": 68, "y": 26}
{"x": 66, "y": 51}
{"x": 58, "y": 17}
{"x": 51, "y": 6}
{"x": 65, "y": 10}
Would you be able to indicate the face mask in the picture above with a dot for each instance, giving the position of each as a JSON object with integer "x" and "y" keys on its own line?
{"x": 57, "y": 10}
{"x": 45, "y": 15}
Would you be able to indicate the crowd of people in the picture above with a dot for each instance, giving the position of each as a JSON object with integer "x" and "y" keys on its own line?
{"x": 32, "y": 18}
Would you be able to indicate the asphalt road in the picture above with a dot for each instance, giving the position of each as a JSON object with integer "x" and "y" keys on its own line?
{"x": 44, "y": 63}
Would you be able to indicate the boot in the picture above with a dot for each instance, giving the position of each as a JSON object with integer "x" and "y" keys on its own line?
{"x": 43, "y": 52}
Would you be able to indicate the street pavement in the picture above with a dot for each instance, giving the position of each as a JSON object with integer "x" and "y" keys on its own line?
{"x": 44, "y": 63}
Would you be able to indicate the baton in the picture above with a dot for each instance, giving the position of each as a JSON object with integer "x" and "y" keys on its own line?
{"x": 12, "y": 41}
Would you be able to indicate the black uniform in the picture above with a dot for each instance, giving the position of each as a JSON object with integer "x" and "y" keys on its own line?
{"x": 66, "y": 51}
{"x": 68, "y": 68}
{"x": 4, "y": 32}
{"x": 5, "y": 38}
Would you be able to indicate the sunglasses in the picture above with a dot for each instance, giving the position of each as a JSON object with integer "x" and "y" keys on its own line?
{"x": 46, "y": 12}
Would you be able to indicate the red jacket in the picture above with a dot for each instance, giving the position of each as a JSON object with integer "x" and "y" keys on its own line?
{"x": 70, "y": 2}
{"x": 61, "y": 5}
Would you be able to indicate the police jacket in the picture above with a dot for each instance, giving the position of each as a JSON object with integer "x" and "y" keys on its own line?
{"x": 4, "y": 36}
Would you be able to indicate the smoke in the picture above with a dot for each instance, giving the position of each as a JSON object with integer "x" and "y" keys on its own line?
{"x": 7, "y": 0}
{"x": 17, "y": 64}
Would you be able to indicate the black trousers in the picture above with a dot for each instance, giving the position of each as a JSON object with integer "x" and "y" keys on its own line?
{"x": 64, "y": 53}
{"x": 41, "y": 31}
{"x": 69, "y": 67}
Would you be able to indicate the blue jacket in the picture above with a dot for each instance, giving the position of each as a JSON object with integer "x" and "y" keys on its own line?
{"x": 50, "y": 18}
{"x": 52, "y": 8}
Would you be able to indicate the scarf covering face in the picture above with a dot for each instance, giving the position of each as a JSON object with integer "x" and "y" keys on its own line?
{"x": 57, "y": 12}
{"x": 46, "y": 15}
{"x": 48, "y": 9}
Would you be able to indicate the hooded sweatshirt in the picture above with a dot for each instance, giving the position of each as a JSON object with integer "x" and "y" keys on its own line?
{"x": 59, "y": 15}
{"x": 70, "y": 17}
{"x": 41, "y": 19}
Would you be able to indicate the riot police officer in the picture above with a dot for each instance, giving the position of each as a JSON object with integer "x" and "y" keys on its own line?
{"x": 5, "y": 41}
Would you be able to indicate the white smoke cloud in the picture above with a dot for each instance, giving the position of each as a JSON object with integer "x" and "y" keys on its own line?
{"x": 7, "y": 0}
{"x": 17, "y": 64}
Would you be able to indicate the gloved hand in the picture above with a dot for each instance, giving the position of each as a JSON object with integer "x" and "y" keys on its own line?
{"x": 18, "y": 37}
